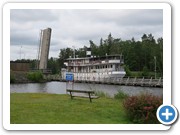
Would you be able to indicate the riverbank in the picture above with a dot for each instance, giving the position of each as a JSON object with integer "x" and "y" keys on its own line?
{"x": 30, "y": 108}
{"x": 38, "y": 77}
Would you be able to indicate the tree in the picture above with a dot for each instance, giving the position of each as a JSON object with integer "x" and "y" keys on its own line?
{"x": 63, "y": 55}
{"x": 94, "y": 48}
{"x": 138, "y": 55}
{"x": 53, "y": 65}
{"x": 109, "y": 43}
{"x": 144, "y": 37}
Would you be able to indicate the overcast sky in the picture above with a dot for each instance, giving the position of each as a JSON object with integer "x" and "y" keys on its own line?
{"x": 77, "y": 27}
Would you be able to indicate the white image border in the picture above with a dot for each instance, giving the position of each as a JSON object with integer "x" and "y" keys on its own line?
{"x": 6, "y": 64}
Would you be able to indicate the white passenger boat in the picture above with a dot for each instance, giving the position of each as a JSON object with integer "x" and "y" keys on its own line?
{"x": 92, "y": 68}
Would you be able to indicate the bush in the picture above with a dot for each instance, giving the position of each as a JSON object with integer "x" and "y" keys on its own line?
{"x": 142, "y": 108}
{"x": 35, "y": 76}
{"x": 120, "y": 95}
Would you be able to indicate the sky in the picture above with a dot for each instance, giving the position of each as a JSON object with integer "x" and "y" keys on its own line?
{"x": 75, "y": 27}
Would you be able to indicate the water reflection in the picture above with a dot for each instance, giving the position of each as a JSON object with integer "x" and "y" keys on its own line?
{"x": 49, "y": 87}
{"x": 60, "y": 88}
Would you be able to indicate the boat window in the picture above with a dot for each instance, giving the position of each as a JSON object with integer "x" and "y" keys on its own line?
{"x": 111, "y": 66}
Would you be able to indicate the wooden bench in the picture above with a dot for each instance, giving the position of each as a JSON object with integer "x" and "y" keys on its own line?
{"x": 88, "y": 92}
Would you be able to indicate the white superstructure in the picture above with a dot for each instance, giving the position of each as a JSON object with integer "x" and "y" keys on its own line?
{"x": 95, "y": 68}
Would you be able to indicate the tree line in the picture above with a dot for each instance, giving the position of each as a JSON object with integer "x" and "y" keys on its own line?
{"x": 138, "y": 55}
{"x": 145, "y": 55}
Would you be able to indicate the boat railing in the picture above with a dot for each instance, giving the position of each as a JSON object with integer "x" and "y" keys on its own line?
{"x": 95, "y": 62}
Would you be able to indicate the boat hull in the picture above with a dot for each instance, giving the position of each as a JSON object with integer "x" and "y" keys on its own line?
{"x": 96, "y": 76}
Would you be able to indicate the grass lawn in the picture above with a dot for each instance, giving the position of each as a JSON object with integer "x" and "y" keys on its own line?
{"x": 30, "y": 108}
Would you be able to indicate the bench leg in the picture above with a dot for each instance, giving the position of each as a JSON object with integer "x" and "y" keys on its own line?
{"x": 71, "y": 95}
{"x": 90, "y": 97}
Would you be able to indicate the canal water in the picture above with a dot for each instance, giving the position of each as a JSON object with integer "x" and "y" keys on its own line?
{"x": 60, "y": 88}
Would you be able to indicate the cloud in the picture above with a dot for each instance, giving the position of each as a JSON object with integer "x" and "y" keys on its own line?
{"x": 23, "y": 52}
{"x": 75, "y": 27}
{"x": 32, "y": 15}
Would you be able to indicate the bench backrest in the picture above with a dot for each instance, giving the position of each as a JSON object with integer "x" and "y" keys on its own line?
{"x": 80, "y": 91}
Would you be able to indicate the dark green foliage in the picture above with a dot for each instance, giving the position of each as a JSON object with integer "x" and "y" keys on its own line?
{"x": 53, "y": 65}
{"x": 35, "y": 76}
{"x": 142, "y": 108}
{"x": 138, "y": 55}
{"x": 128, "y": 72}
{"x": 145, "y": 71}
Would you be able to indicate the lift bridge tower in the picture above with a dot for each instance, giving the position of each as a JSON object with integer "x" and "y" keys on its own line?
{"x": 43, "y": 51}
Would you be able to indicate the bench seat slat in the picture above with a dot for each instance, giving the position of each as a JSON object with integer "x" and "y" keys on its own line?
{"x": 81, "y": 91}
{"x": 93, "y": 97}
{"x": 83, "y": 96}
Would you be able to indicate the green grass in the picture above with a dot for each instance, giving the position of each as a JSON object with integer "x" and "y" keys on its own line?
{"x": 30, "y": 108}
